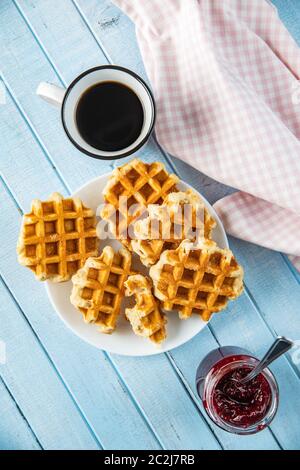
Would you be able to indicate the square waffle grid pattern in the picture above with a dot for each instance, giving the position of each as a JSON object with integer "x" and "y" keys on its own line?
{"x": 98, "y": 288}
{"x": 57, "y": 237}
{"x": 139, "y": 184}
{"x": 197, "y": 280}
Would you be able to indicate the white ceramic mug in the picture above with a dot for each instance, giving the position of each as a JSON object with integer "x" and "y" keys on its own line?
{"x": 68, "y": 100}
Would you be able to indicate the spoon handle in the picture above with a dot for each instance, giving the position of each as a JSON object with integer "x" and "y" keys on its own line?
{"x": 279, "y": 347}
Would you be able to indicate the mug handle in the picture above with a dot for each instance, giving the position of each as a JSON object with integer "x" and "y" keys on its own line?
{"x": 53, "y": 94}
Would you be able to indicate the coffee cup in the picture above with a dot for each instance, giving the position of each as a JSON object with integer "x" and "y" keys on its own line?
{"x": 108, "y": 112}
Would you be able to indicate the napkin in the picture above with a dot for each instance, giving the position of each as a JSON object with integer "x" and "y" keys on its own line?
{"x": 226, "y": 80}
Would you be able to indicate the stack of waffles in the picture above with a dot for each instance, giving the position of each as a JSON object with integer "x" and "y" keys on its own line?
{"x": 167, "y": 229}
{"x": 181, "y": 216}
{"x": 130, "y": 190}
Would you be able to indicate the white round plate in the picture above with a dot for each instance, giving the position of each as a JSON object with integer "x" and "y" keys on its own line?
{"x": 123, "y": 340}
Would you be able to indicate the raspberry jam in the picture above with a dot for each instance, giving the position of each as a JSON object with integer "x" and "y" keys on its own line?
{"x": 242, "y": 405}
{"x": 238, "y": 408}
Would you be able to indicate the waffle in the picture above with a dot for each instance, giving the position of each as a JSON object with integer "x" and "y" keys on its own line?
{"x": 183, "y": 215}
{"x": 56, "y": 238}
{"x": 137, "y": 184}
{"x": 197, "y": 279}
{"x": 145, "y": 317}
{"x": 98, "y": 288}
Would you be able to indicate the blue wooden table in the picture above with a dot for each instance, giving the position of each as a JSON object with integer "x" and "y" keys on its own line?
{"x": 56, "y": 392}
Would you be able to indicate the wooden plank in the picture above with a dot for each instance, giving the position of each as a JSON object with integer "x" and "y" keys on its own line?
{"x": 205, "y": 439}
{"x": 291, "y": 267}
{"x": 153, "y": 380}
{"x": 19, "y": 146}
{"x": 15, "y": 433}
{"x": 35, "y": 386}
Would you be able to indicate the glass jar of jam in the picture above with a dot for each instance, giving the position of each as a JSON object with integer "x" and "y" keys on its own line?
{"x": 237, "y": 408}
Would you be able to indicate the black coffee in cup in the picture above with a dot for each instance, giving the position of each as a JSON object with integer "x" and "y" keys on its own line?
{"x": 109, "y": 116}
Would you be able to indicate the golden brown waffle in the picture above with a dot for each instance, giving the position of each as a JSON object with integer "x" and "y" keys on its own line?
{"x": 138, "y": 184}
{"x": 145, "y": 317}
{"x": 183, "y": 215}
{"x": 197, "y": 279}
{"x": 98, "y": 287}
{"x": 56, "y": 237}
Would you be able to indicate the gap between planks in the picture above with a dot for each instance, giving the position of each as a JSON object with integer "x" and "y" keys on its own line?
{"x": 18, "y": 407}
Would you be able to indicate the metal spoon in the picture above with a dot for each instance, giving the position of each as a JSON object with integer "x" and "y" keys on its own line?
{"x": 280, "y": 346}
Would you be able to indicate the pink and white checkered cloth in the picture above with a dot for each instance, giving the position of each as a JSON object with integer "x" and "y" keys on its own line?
{"x": 226, "y": 80}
